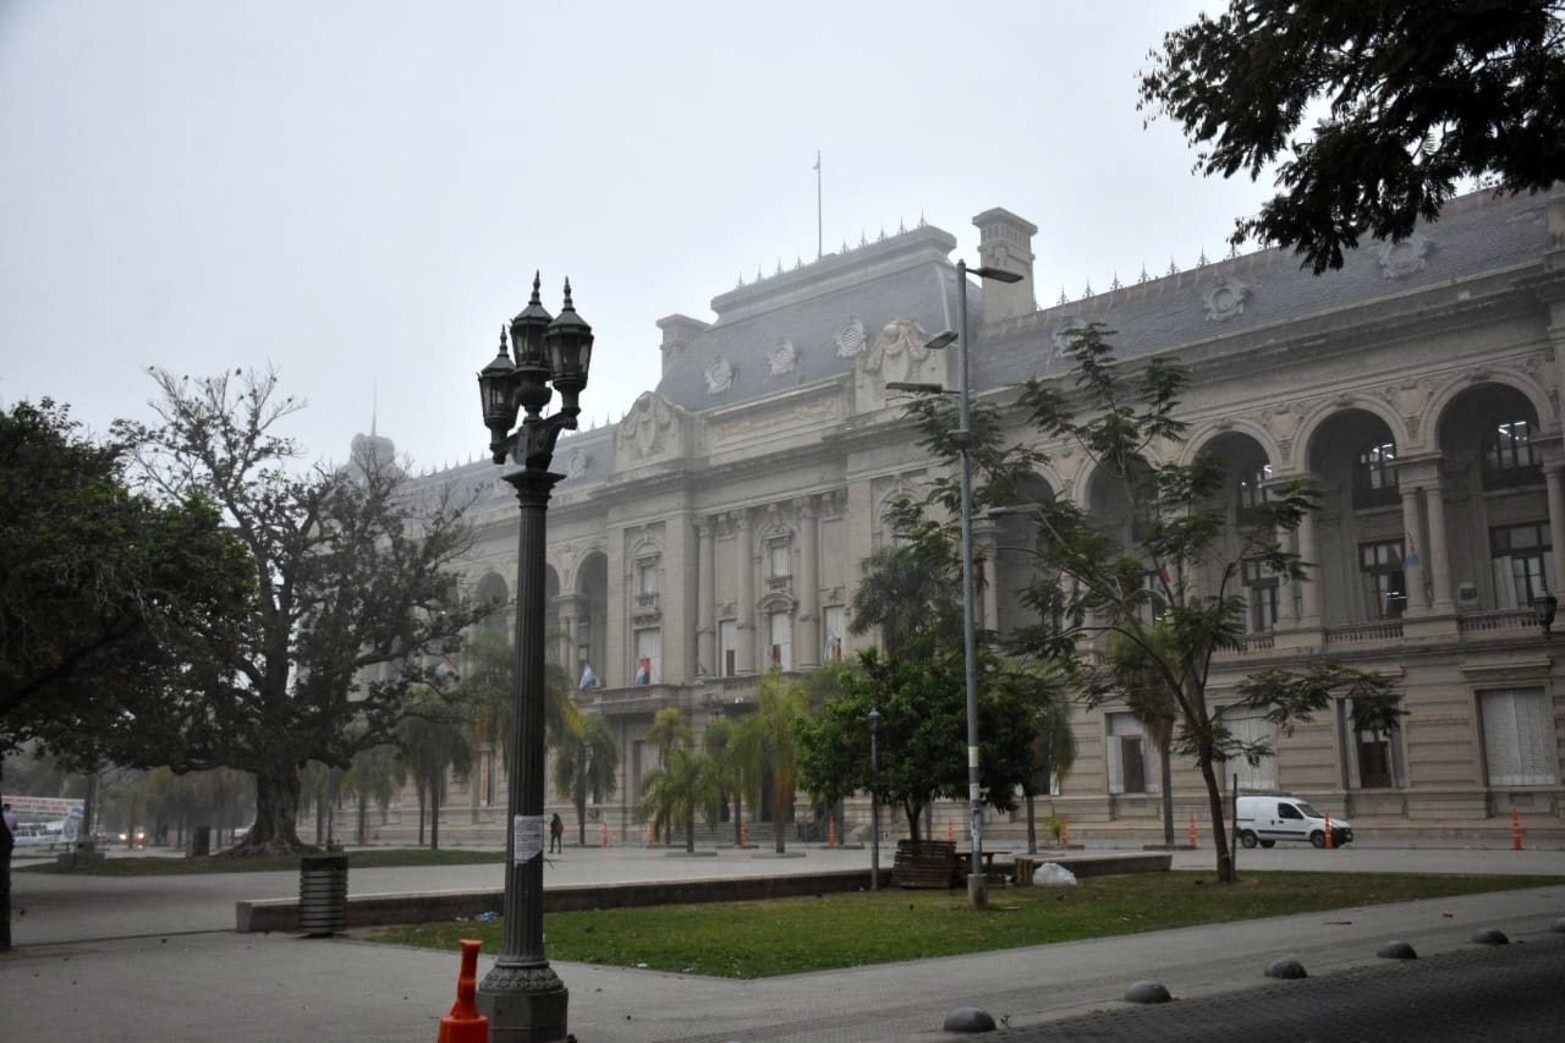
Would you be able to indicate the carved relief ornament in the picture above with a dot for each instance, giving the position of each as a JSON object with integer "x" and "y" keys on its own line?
{"x": 645, "y": 431}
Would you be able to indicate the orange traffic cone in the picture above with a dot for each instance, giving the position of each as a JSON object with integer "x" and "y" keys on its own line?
{"x": 464, "y": 1024}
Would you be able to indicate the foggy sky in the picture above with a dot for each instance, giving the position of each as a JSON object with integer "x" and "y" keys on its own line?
{"x": 357, "y": 193}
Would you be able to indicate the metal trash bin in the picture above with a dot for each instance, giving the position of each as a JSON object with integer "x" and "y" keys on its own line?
{"x": 323, "y": 894}
{"x": 1024, "y": 871}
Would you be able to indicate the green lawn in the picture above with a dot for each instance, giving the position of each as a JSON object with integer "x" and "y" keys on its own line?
{"x": 786, "y": 936}
{"x": 367, "y": 859}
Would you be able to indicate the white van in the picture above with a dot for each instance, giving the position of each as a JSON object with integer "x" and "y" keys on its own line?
{"x": 1266, "y": 820}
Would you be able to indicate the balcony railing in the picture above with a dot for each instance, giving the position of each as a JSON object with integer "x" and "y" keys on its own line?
{"x": 1505, "y": 622}
{"x": 1365, "y": 633}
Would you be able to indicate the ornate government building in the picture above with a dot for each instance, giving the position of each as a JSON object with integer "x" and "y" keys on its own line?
{"x": 719, "y": 528}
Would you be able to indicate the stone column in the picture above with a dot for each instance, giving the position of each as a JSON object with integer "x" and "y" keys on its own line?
{"x": 1287, "y": 608}
{"x": 1412, "y": 562}
{"x": 744, "y": 561}
{"x": 809, "y": 657}
{"x": 1439, "y": 549}
{"x": 1310, "y": 614}
{"x": 989, "y": 550}
{"x": 1557, "y": 526}
{"x": 566, "y": 609}
{"x": 706, "y": 601}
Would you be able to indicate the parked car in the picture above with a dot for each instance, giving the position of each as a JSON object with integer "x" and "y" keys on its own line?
{"x": 1266, "y": 820}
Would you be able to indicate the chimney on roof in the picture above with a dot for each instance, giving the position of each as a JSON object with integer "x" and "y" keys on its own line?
{"x": 1005, "y": 241}
{"x": 678, "y": 332}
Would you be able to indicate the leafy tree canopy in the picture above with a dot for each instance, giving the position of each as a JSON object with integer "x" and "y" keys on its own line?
{"x": 1418, "y": 96}
{"x": 97, "y": 584}
{"x": 922, "y": 739}
{"x": 1155, "y": 583}
{"x": 353, "y": 597}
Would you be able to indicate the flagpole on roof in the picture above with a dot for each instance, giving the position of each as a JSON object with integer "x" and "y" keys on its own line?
{"x": 819, "y": 241}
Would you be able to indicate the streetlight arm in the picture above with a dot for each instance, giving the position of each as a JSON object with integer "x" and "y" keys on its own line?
{"x": 533, "y": 444}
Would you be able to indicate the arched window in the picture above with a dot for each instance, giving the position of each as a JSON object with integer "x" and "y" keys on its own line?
{"x": 1375, "y": 475}
{"x": 1509, "y": 455}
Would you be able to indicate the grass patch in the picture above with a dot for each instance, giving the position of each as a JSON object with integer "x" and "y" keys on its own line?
{"x": 760, "y": 939}
{"x": 372, "y": 858}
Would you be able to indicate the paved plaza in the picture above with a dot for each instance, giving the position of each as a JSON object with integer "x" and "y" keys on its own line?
{"x": 156, "y": 958}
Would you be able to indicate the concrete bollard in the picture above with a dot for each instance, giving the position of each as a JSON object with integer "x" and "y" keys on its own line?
{"x": 1193, "y": 843}
{"x": 1330, "y": 843}
{"x": 464, "y": 1024}
{"x": 1517, "y": 842}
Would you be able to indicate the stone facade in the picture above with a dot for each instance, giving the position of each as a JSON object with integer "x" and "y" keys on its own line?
{"x": 718, "y": 529}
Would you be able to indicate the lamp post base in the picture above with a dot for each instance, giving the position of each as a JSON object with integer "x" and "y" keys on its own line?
{"x": 524, "y": 1004}
{"x": 977, "y": 890}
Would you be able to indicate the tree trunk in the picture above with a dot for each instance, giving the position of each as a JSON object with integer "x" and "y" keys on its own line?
{"x": 914, "y": 813}
{"x": 581, "y": 797}
{"x": 690, "y": 834}
{"x": 738, "y": 821}
{"x": 1032, "y": 824}
{"x": 435, "y": 786}
{"x": 777, "y": 826}
{"x": 276, "y": 814}
{"x": 423, "y": 805}
{"x": 320, "y": 816}
{"x": 7, "y": 844}
{"x": 1214, "y": 796}
{"x": 359, "y": 831}
{"x": 1168, "y": 798}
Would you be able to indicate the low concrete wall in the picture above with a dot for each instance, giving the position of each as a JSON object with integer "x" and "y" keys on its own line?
{"x": 379, "y": 910}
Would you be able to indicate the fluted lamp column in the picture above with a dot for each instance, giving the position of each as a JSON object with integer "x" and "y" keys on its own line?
{"x": 523, "y": 997}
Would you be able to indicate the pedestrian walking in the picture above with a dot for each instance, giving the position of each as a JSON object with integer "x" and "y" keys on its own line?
{"x": 557, "y": 834}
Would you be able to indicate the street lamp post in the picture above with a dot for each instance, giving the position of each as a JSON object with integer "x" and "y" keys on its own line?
{"x": 874, "y": 799}
{"x": 522, "y": 996}
{"x": 977, "y": 883}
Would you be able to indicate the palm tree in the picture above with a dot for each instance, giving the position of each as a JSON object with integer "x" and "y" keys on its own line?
{"x": 376, "y": 774}
{"x": 910, "y": 591}
{"x": 585, "y": 763}
{"x": 669, "y": 732}
{"x": 1054, "y": 744}
{"x": 489, "y": 684}
{"x": 686, "y": 783}
{"x": 718, "y": 742}
{"x": 323, "y": 782}
{"x": 1149, "y": 700}
{"x": 765, "y": 746}
{"x": 435, "y": 737}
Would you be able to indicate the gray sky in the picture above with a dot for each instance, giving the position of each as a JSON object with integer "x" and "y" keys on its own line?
{"x": 358, "y": 192}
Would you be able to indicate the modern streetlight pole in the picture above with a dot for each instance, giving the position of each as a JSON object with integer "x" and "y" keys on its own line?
{"x": 874, "y": 799}
{"x": 524, "y": 999}
{"x": 977, "y": 883}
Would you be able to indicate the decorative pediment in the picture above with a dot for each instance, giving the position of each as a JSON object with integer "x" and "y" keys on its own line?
{"x": 900, "y": 353}
{"x": 652, "y": 430}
